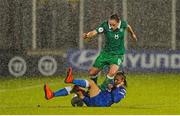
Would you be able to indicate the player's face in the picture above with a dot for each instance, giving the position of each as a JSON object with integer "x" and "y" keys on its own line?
{"x": 113, "y": 24}
{"x": 118, "y": 80}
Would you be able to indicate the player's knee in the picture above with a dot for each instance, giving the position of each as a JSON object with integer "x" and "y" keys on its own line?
{"x": 91, "y": 83}
{"x": 92, "y": 72}
{"x": 112, "y": 73}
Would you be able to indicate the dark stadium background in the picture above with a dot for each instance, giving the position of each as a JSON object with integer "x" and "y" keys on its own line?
{"x": 58, "y": 28}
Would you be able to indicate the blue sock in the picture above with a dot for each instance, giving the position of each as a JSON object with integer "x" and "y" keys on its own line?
{"x": 81, "y": 83}
{"x": 63, "y": 92}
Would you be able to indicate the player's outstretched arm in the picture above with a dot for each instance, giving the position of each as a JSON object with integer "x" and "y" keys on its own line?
{"x": 89, "y": 34}
{"x": 133, "y": 35}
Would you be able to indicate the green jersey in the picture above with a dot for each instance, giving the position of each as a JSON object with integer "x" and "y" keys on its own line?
{"x": 114, "y": 40}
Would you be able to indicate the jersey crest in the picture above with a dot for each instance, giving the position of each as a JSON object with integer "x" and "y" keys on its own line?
{"x": 116, "y": 36}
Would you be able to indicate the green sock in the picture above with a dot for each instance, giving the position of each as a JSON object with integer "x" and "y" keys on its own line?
{"x": 94, "y": 78}
{"x": 108, "y": 80}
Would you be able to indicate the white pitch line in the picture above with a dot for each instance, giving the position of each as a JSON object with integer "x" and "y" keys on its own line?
{"x": 24, "y": 88}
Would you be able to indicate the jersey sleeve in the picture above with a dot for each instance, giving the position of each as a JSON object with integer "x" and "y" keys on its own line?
{"x": 124, "y": 24}
{"x": 101, "y": 28}
{"x": 87, "y": 101}
{"x": 118, "y": 94}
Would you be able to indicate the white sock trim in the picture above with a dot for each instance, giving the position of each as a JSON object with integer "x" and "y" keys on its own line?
{"x": 68, "y": 89}
{"x": 110, "y": 77}
{"x": 87, "y": 83}
{"x": 93, "y": 77}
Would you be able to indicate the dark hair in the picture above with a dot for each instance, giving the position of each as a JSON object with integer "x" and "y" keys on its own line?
{"x": 115, "y": 17}
{"x": 122, "y": 74}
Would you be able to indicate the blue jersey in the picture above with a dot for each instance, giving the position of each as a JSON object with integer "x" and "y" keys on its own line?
{"x": 106, "y": 98}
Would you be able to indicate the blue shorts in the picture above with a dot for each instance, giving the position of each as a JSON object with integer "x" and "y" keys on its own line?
{"x": 103, "y": 99}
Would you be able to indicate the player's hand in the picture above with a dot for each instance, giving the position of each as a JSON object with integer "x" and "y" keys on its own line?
{"x": 134, "y": 37}
{"x": 84, "y": 36}
{"x": 110, "y": 86}
{"x": 80, "y": 94}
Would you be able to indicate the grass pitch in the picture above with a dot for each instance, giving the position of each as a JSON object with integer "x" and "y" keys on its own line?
{"x": 146, "y": 94}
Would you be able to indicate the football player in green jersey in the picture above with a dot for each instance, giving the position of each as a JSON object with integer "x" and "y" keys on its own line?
{"x": 112, "y": 54}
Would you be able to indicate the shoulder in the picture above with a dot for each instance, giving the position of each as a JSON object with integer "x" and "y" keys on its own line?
{"x": 123, "y": 89}
{"x": 102, "y": 27}
{"x": 120, "y": 88}
{"x": 124, "y": 23}
{"x": 104, "y": 23}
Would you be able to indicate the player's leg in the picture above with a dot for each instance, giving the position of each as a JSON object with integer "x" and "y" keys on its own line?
{"x": 93, "y": 91}
{"x": 63, "y": 92}
{"x": 115, "y": 62}
{"x": 97, "y": 67}
{"x": 112, "y": 71}
{"x": 93, "y": 88}
{"x": 70, "y": 79}
{"x": 49, "y": 94}
{"x": 93, "y": 73}
{"x": 110, "y": 76}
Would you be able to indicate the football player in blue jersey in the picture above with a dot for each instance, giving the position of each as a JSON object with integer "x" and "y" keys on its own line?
{"x": 97, "y": 97}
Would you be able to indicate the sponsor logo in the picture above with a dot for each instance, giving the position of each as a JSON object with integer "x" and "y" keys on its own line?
{"x": 17, "y": 66}
{"x": 134, "y": 61}
{"x": 154, "y": 61}
{"x": 47, "y": 65}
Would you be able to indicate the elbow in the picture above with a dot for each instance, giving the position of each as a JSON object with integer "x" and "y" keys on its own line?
{"x": 117, "y": 100}
{"x": 128, "y": 26}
